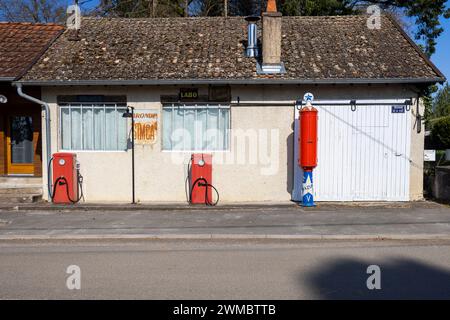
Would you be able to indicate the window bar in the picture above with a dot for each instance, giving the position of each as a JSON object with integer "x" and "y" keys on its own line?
{"x": 218, "y": 128}
{"x": 172, "y": 125}
{"x": 116, "y": 117}
{"x": 93, "y": 128}
{"x": 71, "y": 133}
{"x": 61, "y": 137}
{"x": 104, "y": 127}
{"x": 184, "y": 140}
{"x": 206, "y": 129}
{"x": 195, "y": 128}
{"x": 81, "y": 126}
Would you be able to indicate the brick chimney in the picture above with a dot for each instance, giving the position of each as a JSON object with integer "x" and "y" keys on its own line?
{"x": 271, "y": 42}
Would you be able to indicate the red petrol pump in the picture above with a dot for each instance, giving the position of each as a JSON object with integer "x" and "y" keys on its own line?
{"x": 66, "y": 178}
{"x": 307, "y": 158}
{"x": 201, "y": 180}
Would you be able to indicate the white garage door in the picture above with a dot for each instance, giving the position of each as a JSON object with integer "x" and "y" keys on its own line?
{"x": 363, "y": 155}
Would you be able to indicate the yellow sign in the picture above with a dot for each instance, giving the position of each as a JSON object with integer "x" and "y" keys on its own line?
{"x": 188, "y": 94}
{"x": 145, "y": 126}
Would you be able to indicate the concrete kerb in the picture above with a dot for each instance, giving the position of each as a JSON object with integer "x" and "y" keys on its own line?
{"x": 337, "y": 237}
{"x": 224, "y": 207}
{"x": 118, "y": 207}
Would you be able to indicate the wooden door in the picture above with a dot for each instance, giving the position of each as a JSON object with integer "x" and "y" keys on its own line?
{"x": 20, "y": 145}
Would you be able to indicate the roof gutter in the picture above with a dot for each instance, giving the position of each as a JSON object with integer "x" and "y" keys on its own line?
{"x": 47, "y": 128}
{"x": 229, "y": 81}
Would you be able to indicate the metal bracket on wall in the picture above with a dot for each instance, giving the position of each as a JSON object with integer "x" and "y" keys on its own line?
{"x": 408, "y": 104}
{"x": 418, "y": 123}
{"x": 353, "y": 105}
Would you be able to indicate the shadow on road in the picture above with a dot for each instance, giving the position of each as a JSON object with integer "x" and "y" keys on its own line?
{"x": 400, "y": 279}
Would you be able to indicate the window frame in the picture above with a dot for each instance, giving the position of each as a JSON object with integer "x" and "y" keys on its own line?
{"x": 195, "y": 106}
{"x": 81, "y": 105}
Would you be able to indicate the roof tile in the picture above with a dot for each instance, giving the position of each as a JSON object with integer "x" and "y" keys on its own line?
{"x": 213, "y": 48}
{"x": 21, "y": 44}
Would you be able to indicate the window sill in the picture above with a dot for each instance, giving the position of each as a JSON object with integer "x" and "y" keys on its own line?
{"x": 94, "y": 151}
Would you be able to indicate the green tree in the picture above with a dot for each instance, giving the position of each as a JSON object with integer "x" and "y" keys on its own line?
{"x": 441, "y": 132}
{"x": 441, "y": 103}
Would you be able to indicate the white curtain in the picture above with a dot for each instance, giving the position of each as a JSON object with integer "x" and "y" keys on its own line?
{"x": 88, "y": 128}
{"x": 224, "y": 130}
{"x": 76, "y": 129}
{"x": 110, "y": 139}
{"x": 93, "y": 127}
{"x": 211, "y": 136}
{"x": 189, "y": 129}
{"x": 200, "y": 129}
{"x": 99, "y": 128}
{"x": 65, "y": 128}
{"x": 192, "y": 128}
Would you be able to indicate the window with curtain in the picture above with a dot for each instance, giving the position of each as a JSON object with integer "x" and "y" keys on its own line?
{"x": 93, "y": 126}
{"x": 196, "y": 127}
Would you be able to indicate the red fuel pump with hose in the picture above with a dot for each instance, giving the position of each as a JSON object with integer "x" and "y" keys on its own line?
{"x": 67, "y": 185}
{"x": 200, "y": 180}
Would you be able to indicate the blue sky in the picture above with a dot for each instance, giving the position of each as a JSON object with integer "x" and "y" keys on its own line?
{"x": 441, "y": 58}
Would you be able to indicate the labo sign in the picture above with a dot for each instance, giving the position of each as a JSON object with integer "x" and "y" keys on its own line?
{"x": 145, "y": 126}
{"x": 188, "y": 94}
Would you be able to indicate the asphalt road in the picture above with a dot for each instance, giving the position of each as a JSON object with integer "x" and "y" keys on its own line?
{"x": 224, "y": 270}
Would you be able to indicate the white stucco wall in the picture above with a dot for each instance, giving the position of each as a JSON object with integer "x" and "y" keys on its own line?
{"x": 107, "y": 175}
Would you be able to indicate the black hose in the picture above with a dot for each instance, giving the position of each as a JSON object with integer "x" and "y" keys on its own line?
{"x": 187, "y": 186}
{"x": 50, "y": 187}
{"x": 64, "y": 181}
{"x": 206, "y": 185}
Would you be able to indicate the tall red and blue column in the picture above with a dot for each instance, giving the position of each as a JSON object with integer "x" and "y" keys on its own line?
{"x": 307, "y": 159}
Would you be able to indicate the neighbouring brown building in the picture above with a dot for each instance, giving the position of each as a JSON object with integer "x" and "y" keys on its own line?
{"x": 21, "y": 45}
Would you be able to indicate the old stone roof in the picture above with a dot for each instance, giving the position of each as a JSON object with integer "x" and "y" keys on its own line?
{"x": 21, "y": 44}
{"x": 212, "y": 48}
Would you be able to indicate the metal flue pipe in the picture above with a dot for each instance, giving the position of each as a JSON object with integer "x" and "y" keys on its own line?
{"x": 252, "y": 37}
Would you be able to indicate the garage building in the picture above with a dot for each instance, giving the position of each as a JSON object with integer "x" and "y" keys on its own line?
{"x": 198, "y": 86}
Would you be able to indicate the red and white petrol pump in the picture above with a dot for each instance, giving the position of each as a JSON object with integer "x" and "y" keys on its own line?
{"x": 66, "y": 178}
{"x": 307, "y": 159}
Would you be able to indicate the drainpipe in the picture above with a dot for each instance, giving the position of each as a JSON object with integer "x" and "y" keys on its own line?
{"x": 47, "y": 130}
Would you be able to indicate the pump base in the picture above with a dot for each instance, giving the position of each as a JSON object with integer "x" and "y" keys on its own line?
{"x": 308, "y": 198}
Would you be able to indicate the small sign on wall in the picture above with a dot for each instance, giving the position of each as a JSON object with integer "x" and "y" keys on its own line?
{"x": 188, "y": 94}
{"x": 429, "y": 155}
{"x": 398, "y": 109}
{"x": 145, "y": 126}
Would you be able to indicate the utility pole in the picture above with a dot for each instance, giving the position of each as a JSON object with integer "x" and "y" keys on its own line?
{"x": 225, "y": 8}
{"x": 186, "y": 8}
